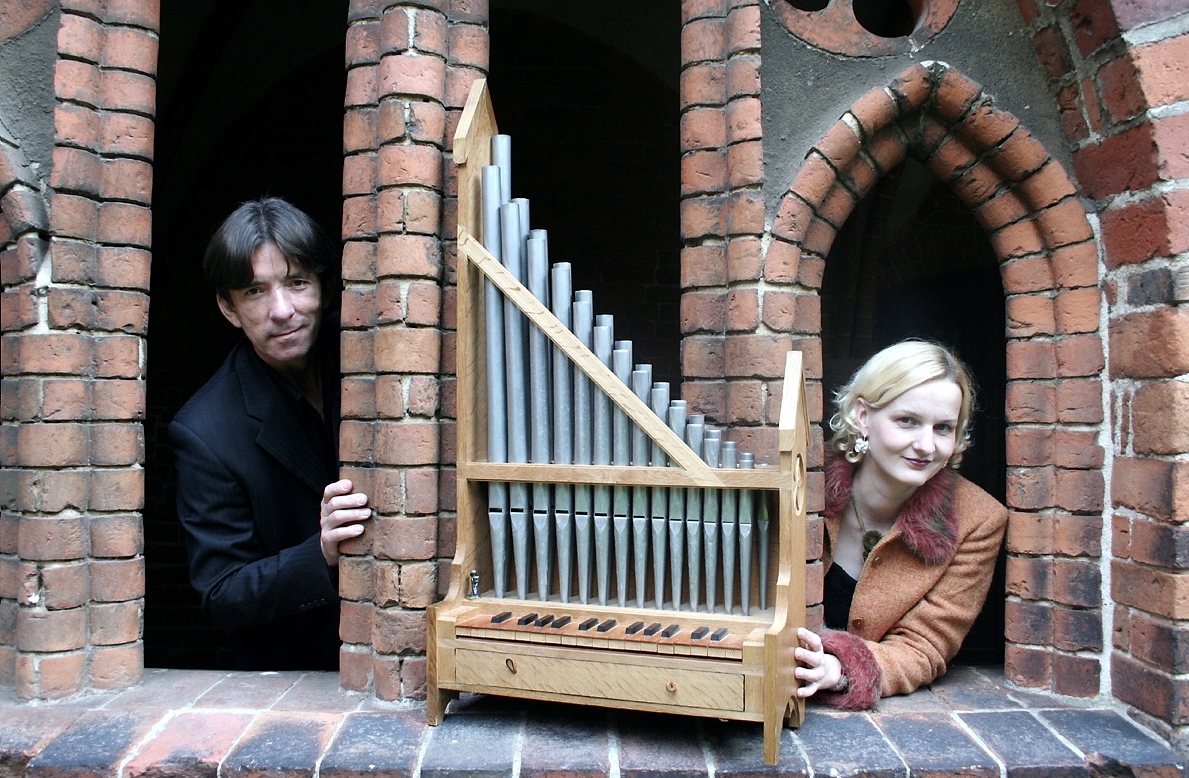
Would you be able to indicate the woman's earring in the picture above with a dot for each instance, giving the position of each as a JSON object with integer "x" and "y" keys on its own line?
{"x": 857, "y": 450}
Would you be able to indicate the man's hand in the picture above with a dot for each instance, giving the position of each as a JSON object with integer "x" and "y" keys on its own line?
{"x": 342, "y": 510}
{"x": 819, "y": 670}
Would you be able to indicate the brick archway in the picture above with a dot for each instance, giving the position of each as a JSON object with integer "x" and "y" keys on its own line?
{"x": 1048, "y": 257}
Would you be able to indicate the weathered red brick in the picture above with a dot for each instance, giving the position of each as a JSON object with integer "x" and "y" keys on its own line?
{"x": 117, "y": 580}
{"x": 1052, "y": 52}
{"x": 1150, "y": 344}
{"x": 122, "y": 90}
{"x": 129, "y": 48}
{"x": 1157, "y": 488}
{"x": 1076, "y": 675}
{"x": 703, "y": 216}
{"x": 1028, "y": 666}
{"x": 1031, "y": 488}
{"x": 1031, "y": 359}
{"x": 1030, "y": 315}
{"x": 1124, "y": 161}
{"x": 702, "y": 128}
{"x": 703, "y": 84}
{"x": 44, "y": 631}
{"x": 412, "y": 73}
{"x": 703, "y": 40}
{"x": 1160, "y": 418}
{"x": 703, "y": 266}
{"x": 117, "y": 667}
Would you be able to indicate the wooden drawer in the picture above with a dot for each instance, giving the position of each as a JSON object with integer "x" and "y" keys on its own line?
{"x": 596, "y": 679}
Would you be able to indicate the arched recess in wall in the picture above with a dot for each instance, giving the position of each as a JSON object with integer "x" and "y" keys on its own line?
{"x": 251, "y": 103}
{"x": 589, "y": 95}
{"x": 934, "y": 127}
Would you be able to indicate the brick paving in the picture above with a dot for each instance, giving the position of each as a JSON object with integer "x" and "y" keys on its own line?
{"x": 202, "y": 724}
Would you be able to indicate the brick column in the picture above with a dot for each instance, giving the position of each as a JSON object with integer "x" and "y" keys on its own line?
{"x": 410, "y": 65}
{"x": 73, "y": 369}
{"x": 738, "y": 301}
{"x": 1113, "y": 67}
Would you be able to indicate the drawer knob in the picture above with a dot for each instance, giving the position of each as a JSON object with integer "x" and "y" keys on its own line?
{"x": 671, "y": 687}
{"x": 511, "y": 665}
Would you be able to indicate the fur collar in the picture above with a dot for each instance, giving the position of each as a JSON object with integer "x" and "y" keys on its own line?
{"x": 927, "y": 522}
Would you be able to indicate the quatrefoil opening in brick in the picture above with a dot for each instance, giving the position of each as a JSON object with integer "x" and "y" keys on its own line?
{"x": 865, "y": 28}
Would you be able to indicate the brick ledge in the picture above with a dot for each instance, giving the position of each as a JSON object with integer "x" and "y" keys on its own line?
{"x": 234, "y": 725}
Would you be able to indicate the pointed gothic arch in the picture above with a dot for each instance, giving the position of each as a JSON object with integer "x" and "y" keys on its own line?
{"x": 1048, "y": 260}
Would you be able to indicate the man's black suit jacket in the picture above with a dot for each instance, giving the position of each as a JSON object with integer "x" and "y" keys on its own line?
{"x": 253, "y": 459}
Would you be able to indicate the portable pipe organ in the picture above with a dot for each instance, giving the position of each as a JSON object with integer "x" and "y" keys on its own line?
{"x": 612, "y": 549}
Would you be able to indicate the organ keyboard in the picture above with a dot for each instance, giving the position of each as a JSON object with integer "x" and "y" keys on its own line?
{"x": 612, "y": 549}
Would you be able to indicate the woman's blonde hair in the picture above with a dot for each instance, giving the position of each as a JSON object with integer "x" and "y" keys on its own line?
{"x": 889, "y": 374}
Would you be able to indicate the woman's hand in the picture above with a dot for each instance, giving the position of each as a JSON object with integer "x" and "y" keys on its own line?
{"x": 818, "y": 670}
{"x": 342, "y": 510}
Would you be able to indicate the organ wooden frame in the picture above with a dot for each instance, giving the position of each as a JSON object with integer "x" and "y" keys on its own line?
{"x": 751, "y": 679}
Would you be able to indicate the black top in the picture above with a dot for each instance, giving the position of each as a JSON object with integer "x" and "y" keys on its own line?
{"x": 253, "y": 458}
{"x": 838, "y": 591}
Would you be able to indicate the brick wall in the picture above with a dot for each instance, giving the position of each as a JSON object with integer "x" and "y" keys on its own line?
{"x": 75, "y": 274}
{"x": 1092, "y": 266}
{"x": 1117, "y": 71}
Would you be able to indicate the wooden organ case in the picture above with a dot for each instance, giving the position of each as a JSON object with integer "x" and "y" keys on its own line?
{"x": 706, "y": 650}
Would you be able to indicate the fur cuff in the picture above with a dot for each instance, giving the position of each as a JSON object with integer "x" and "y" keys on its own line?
{"x": 863, "y": 674}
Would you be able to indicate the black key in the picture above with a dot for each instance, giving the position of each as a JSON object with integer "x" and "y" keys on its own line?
{"x": 543, "y": 620}
{"x": 720, "y": 633}
{"x": 584, "y": 626}
{"x": 700, "y": 632}
{"x": 670, "y": 631}
{"x": 635, "y": 627}
{"x": 561, "y": 621}
{"x": 527, "y": 619}
{"x": 500, "y": 618}
{"x": 608, "y": 624}
{"x": 653, "y": 628}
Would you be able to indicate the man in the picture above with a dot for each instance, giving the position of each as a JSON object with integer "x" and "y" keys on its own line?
{"x": 257, "y": 449}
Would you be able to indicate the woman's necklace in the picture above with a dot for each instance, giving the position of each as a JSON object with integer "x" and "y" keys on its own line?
{"x": 870, "y": 536}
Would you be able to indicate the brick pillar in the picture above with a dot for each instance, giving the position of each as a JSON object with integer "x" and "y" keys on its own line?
{"x": 736, "y": 307}
{"x": 1113, "y": 69}
{"x": 410, "y": 66}
{"x": 73, "y": 368}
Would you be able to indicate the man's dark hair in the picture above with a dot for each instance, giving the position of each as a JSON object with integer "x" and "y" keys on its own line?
{"x": 228, "y": 260}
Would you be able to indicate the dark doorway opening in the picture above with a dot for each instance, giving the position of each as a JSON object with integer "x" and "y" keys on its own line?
{"x": 250, "y": 97}
{"x": 911, "y": 261}
{"x": 589, "y": 95}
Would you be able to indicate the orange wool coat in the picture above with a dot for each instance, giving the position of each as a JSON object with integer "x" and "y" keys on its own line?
{"x": 921, "y": 588}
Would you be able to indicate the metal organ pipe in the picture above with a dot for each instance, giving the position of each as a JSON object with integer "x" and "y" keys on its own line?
{"x": 583, "y": 311}
{"x": 563, "y": 432}
{"x": 675, "y": 547}
{"x": 540, "y": 352}
{"x": 497, "y": 419}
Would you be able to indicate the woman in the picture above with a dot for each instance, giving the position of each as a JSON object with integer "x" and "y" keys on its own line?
{"x": 910, "y": 545}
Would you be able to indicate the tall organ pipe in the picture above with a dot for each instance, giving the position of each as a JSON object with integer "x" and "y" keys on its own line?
{"x": 583, "y": 310}
{"x": 603, "y": 341}
{"x": 497, "y": 419}
{"x": 712, "y": 447}
{"x": 515, "y": 347}
{"x": 540, "y": 351}
{"x": 659, "y": 502}
{"x": 747, "y": 461}
{"x": 695, "y": 430}
{"x": 621, "y": 502}
{"x": 642, "y": 388}
{"x": 563, "y": 432}
{"x": 676, "y": 529}
{"x": 730, "y": 527}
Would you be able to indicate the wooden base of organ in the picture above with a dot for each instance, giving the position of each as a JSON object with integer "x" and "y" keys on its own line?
{"x": 664, "y": 659}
